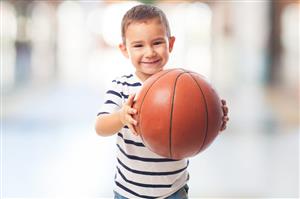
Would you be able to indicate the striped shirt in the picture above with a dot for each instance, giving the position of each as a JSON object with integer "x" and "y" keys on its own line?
{"x": 140, "y": 173}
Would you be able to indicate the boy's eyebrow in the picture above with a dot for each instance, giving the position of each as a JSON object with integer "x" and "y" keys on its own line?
{"x": 159, "y": 38}
{"x": 139, "y": 42}
{"x": 136, "y": 42}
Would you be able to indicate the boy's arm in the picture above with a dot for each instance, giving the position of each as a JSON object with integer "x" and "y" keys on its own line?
{"x": 109, "y": 124}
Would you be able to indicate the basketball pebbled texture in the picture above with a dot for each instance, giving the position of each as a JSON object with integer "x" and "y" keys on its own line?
{"x": 179, "y": 113}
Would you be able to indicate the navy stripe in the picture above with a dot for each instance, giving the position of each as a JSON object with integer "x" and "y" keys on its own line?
{"x": 114, "y": 93}
{"x": 144, "y": 185}
{"x": 101, "y": 113}
{"x": 132, "y": 192}
{"x": 131, "y": 141}
{"x": 111, "y": 102}
{"x": 133, "y": 157}
{"x": 128, "y": 84}
{"x": 128, "y": 76}
{"x": 150, "y": 172}
{"x": 125, "y": 96}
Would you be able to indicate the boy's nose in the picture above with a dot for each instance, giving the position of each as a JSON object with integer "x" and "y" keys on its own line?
{"x": 150, "y": 52}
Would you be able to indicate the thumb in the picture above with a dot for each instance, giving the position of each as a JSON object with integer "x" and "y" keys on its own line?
{"x": 130, "y": 99}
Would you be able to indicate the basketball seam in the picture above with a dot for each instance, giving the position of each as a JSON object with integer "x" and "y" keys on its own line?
{"x": 206, "y": 111}
{"x": 139, "y": 111}
{"x": 171, "y": 117}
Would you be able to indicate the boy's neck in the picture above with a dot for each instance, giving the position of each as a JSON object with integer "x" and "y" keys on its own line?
{"x": 142, "y": 78}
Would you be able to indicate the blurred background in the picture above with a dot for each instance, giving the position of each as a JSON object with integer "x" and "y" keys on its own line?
{"x": 58, "y": 56}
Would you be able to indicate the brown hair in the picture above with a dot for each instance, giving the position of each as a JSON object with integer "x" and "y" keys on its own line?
{"x": 143, "y": 12}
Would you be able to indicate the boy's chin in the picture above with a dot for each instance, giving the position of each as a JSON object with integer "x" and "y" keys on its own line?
{"x": 145, "y": 74}
{"x": 152, "y": 71}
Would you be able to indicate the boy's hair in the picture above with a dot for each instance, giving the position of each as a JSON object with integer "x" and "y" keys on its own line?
{"x": 143, "y": 12}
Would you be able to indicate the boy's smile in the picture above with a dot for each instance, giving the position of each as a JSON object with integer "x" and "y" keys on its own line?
{"x": 151, "y": 63}
{"x": 147, "y": 46}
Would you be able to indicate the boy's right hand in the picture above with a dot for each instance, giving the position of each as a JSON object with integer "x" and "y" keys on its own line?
{"x": 126, "y": 112}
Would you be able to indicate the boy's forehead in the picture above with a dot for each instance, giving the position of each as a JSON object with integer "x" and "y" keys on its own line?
{"x": 153, "y": 27}
{"x": 155, "y": 24}
{"x": 145, "y": 21}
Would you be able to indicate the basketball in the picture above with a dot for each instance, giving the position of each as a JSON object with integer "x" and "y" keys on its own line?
{"x": 179, "y": 114}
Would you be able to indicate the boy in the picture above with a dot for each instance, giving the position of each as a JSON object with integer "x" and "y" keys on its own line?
{"x": 147, "y": 42}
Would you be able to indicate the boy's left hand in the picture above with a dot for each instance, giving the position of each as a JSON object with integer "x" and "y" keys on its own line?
{"x": 225, "y": 115}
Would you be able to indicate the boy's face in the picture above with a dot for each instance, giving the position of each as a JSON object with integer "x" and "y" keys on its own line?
{"x": 147, "y": 46}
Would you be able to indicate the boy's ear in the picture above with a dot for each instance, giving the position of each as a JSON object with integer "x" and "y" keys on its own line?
{"x": 171, "y": 43}
{"x": 123, "y": 49}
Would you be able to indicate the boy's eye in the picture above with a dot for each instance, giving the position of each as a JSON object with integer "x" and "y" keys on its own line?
{"x": 158, "y": 42}
{"x": 137, "y": 45}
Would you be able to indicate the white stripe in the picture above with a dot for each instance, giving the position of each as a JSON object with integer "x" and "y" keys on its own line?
{"x": 144, "y": 152}
{"x": 149, "y": 191}
{"x": 156, "y": 167}
{"x": 148, "y": 179}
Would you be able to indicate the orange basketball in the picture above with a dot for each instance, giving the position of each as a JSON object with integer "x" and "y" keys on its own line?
{"x": 179, "y": 113}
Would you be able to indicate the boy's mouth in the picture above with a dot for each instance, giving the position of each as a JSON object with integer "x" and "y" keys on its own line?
{"x": 151, "y": 62}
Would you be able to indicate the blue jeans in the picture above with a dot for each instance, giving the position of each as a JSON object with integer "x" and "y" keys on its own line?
{"x": 180, "y": 194}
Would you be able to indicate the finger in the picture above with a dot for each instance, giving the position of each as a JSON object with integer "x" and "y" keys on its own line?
{"x": 225, "y": 109}
{"x": 225, "y": 119}
{"x": 133, "y": 121}
{"x": 130, "y": 99}
{"x": 223, "y": 127}
{"x": 132, "y": 111}
{"x": 223, "y": 102}
{"x": 130, "y": 120}
{"x": 132, "y": 129}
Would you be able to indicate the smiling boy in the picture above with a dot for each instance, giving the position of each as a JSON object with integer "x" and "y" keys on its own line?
{"x": 147, "y": 42}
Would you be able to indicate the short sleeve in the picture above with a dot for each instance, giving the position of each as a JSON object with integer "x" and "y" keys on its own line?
{"x": 113, "y": 99}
